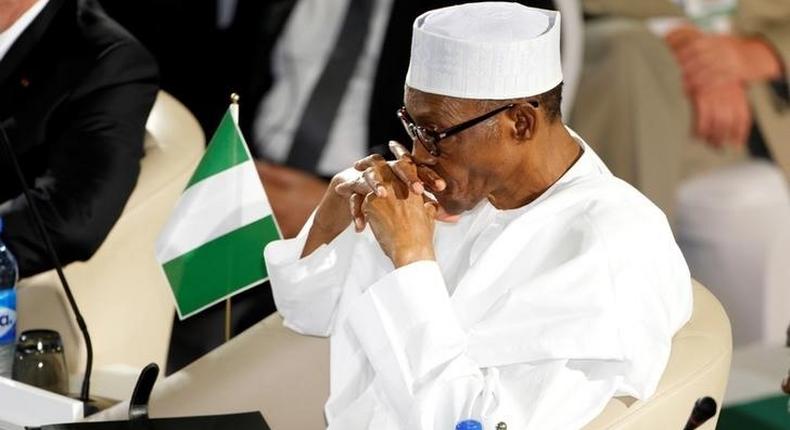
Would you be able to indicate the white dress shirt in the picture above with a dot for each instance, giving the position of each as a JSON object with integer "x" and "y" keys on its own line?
{"x": 8, "y": 37}
{"x": 299, "y": 58}
{"x": 534, "y": 316}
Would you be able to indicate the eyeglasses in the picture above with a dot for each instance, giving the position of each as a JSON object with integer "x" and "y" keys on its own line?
{"x": 430, "y": 138}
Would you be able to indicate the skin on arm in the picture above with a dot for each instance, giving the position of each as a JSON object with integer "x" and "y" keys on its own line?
{"x": 331, "y": 218}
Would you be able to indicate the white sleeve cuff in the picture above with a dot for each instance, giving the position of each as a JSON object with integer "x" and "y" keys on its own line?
{"x": 306, "y": 290}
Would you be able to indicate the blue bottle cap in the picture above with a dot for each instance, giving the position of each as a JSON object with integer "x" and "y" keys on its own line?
{"x": 469, "y": 425}
{"x": 1, "y": 224}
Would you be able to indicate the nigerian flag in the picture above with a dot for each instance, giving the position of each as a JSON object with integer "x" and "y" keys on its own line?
{"x": 212, "y": 246}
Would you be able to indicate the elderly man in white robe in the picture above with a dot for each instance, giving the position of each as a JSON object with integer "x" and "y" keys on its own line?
{"x": 498, "y": 273}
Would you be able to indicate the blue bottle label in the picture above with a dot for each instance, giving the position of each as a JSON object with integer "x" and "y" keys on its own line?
{"x": 7, "y": 316}
{"x": 469, "y": 425}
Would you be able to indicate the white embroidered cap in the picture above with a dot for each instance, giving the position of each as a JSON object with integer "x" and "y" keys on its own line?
{"x": 487, "y": 50}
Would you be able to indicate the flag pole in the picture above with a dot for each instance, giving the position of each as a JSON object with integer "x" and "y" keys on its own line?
{"x": 227, "y": 319}
{"x": 234, "y": 111}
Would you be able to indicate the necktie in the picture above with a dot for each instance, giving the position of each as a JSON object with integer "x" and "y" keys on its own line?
{"x": 322, "y": 107}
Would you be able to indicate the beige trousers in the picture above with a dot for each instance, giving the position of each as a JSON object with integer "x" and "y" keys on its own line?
{"x": 630, "y": 107}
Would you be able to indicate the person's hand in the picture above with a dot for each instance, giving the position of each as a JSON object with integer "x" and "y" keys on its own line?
{"x": 722, "y": 114}
{"x": 704, "y": 59}
{"x": 332, "y": 215}
{"x": 375, "y": 169}
{"x": 681, "y": 37}
{"x": 376, "y": 174}
{"x": 401, "y": 220}
{"x": 342, "y": 201}
{"x": 716, "y": 69}
{"x": 418, "y": 177}
{"x": 713, "y": 60}
{"x": 293, "y": 194}
{"x": 406, "y": 168}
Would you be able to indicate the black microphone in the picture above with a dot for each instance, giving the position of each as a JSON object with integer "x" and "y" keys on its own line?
{"x": 85, "y": 392}
{"x": 704, "y": 409}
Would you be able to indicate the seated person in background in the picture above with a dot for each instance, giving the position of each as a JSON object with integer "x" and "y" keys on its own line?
{"x": 662, "y": 99}
{"x": 76, "y": 93}
{"x": 549, "y": 286}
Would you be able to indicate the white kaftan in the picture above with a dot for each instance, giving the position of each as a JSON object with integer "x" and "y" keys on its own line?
{"x": 534, "y": 316}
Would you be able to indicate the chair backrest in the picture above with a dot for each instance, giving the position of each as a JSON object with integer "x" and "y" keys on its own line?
{"x": 286, "y": 376}
{"x": 121, "y": 290}
{"x": 699, "y": 366}
{"x": 733, "y": 225}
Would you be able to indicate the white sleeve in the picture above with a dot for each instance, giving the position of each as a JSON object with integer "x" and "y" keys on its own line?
{"x": 306, "y": 290}
{"x": 406, "y": 325}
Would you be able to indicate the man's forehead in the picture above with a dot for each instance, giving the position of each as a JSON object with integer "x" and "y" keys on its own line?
{"x": 426, "y": 106}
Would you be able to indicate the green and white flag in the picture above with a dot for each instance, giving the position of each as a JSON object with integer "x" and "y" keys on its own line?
{"x": 212, "y": 246}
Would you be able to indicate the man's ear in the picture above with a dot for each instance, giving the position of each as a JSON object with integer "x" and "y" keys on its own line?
{"x": 525, "y": 121}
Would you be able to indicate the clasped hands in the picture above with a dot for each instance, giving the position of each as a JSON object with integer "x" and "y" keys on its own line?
{"x": 388, "y": 196}
{"x": 716, "y": 69}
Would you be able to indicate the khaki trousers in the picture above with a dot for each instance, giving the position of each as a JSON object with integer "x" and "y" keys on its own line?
{"x": 630, "y": 107}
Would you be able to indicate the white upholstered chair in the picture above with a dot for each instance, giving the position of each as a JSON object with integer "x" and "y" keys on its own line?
{"x": 733, "y": 225}
{"x": 121, "y": 291}
{"x": 284, "y": 375}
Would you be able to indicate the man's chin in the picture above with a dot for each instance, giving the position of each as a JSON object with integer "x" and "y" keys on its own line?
{"x": 454, "y": 208}
{"x": 443, "y": 216}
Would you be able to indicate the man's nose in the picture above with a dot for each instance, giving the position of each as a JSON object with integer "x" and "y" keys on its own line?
{"x": 421, "y": 154}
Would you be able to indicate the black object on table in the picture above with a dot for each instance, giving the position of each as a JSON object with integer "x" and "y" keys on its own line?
{"x": 704, "y": 409}
{"x": 139, "y": 419}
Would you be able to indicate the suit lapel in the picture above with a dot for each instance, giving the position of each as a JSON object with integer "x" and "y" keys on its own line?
{"x": 28, "y": 40}
{"x": 40, "y": 73}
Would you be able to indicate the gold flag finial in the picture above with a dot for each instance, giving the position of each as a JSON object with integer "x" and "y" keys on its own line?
{"x": 234, "y": 107}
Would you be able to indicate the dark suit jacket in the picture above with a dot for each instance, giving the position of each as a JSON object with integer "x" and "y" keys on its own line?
{"x": 75, "y": 92}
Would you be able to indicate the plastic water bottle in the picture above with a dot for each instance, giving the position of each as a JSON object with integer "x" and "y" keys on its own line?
{"x": 9, "y": 274}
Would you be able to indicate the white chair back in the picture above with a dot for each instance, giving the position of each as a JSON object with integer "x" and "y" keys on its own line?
{"x": 121, "y": 290}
